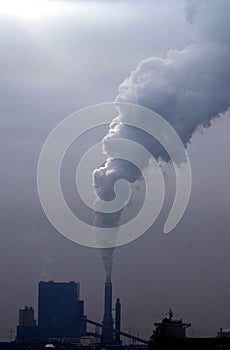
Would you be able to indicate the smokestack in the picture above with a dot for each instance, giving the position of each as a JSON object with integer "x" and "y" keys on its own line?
{"x": 107, "y": 330}
{"x": 118, "y": 321}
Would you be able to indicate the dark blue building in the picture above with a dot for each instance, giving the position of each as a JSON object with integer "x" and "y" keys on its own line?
{"x": 58, "y": 304}
{"x": 60, "y": 312}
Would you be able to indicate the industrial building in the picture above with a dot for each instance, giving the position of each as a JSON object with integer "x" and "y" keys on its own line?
{"x": 61, "y": 317}
{"x": 61, "y": 320}
{"x": 26, "y": 317}
{"x": 60, "y": 313}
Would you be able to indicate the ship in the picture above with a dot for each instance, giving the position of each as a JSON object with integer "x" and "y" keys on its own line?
{"x": 170, "y": 334}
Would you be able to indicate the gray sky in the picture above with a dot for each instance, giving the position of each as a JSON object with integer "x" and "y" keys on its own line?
{"x": 68, "y": 55}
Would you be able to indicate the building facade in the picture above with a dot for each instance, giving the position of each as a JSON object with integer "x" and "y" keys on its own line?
{"x": 60, "y": 313}
{"x": 26, "y": 316}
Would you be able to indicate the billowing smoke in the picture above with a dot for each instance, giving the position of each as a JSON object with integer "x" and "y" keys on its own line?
{"x": 187, "y": 87}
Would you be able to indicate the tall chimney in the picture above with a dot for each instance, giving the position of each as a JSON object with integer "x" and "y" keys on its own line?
{"x": 107, "y": 330}
{"x": 118, "y": 321}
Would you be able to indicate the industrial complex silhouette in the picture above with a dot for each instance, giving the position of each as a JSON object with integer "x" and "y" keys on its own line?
{"x": 62, "y": 324}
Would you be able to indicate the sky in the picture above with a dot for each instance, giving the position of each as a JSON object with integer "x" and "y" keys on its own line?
{"x": 59, "y": 56}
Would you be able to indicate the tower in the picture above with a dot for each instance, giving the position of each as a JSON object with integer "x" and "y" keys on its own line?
{"x": 107, "y": 330}
{"x": 118, "y": 321}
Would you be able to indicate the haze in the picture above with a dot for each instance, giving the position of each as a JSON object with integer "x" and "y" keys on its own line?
{"x": 70, "y": 56}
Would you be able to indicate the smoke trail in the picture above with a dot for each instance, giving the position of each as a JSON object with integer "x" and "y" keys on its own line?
{"x": 187, "y": 87}
{"x": 106, "y": 192}
{"x": 107, "y": 258}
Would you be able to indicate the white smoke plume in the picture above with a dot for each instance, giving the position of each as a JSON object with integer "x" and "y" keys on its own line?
{"x": 187, "y": 87}
{"x": 107, "y": 258}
